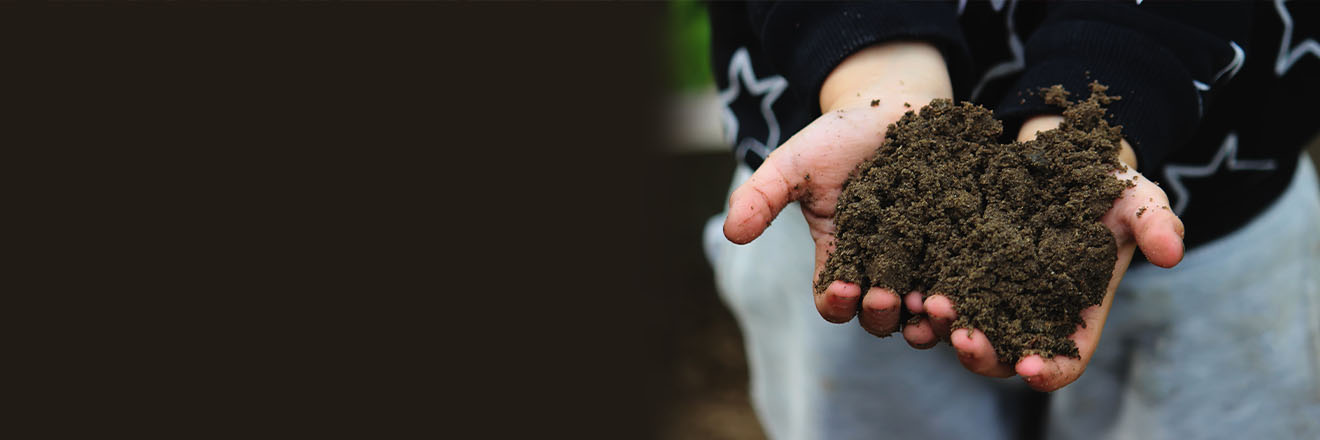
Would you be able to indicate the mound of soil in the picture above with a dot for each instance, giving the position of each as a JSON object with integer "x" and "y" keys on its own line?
{"x": 1010, "y": 232}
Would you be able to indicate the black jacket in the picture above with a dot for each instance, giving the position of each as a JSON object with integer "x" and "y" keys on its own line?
{"x": 1218, "y": 98}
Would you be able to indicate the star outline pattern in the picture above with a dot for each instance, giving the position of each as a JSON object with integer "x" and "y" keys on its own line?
{"x": 1227, "y": 156}
{"x": 1288, "y": 54}
{"x": 741, "y": 74}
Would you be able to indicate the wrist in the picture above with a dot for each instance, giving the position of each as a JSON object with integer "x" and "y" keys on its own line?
{"x": 898, "y": 70}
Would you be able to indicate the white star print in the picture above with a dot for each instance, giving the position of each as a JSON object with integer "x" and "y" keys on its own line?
{"x": 740, "y": 68}
{"x": 1289, "y": 55}
{"x": 1014, "y": 44}
{"x": 996, "y": 4}
{"x": 1231, "y": 69}
{"x": 1200, "y": 103}
{"x": 1174, "y": 173}
{"x": 1233, "y": 66}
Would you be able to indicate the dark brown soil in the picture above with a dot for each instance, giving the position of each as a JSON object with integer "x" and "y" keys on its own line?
{"x": 1010, "y": 232}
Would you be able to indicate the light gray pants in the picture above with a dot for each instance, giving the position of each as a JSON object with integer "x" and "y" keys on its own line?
{"x": 1225, "y": 345}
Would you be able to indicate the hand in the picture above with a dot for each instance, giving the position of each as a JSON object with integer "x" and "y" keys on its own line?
{"x": 812, "y": 165}
{"x": 1157, "y": 231}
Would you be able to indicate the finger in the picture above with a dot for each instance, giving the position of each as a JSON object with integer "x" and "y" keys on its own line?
{"x": 879, "y": 314}
{"x": 1159, "y": 233}
{"x": 1030, "y": 366}
{"x": 914, "y": 303}
{"x": 919, "y": 334}
{"x": 822, "y": 233}
{"x": 838, "y": 303}
{"x": 941, "y": 313}
{"x": 755, "y": 203}
{"x": 1050, "y": 374}
{"x": 977, "y": 355}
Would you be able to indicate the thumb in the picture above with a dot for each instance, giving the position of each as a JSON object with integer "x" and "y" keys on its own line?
{"x": 760, "y": 199}
{"x": 1156, "y": 229}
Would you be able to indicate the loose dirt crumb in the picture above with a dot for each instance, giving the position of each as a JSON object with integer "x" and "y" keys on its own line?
{"x": 1057, "y": 96}
{"x": 1009, "y": 232}
{"x": 1141, "y": 211}
{"x": 875, "y": 102}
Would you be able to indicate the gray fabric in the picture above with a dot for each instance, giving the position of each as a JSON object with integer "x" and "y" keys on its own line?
{"x": 1240, "y": 358}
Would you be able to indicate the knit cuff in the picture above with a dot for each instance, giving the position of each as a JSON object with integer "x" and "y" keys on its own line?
{"x": 1160, "y": 106}
{"x": 807, "y": 41}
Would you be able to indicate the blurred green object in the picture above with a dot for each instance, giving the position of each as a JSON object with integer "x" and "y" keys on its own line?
{"x": 689, "y": 46}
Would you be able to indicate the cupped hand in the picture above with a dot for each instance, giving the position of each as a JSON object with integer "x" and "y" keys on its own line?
{"x": 1139, "y": 218}
{"x": 861, "y": 97}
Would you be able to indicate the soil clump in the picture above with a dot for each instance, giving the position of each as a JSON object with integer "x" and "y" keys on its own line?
{"x": 1010, "y": 232}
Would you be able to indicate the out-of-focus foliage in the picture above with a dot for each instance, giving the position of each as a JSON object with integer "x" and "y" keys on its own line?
{"x": 689, "y": 45}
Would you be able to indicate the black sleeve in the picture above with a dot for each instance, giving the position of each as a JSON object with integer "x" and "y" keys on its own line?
{"x": 805, "y": 41}
{"x": 1165, "y": 62}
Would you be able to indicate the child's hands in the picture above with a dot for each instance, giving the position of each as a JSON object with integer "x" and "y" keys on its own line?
{"x": 1157, "y": 231}
{"x": 860, "y": 98}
